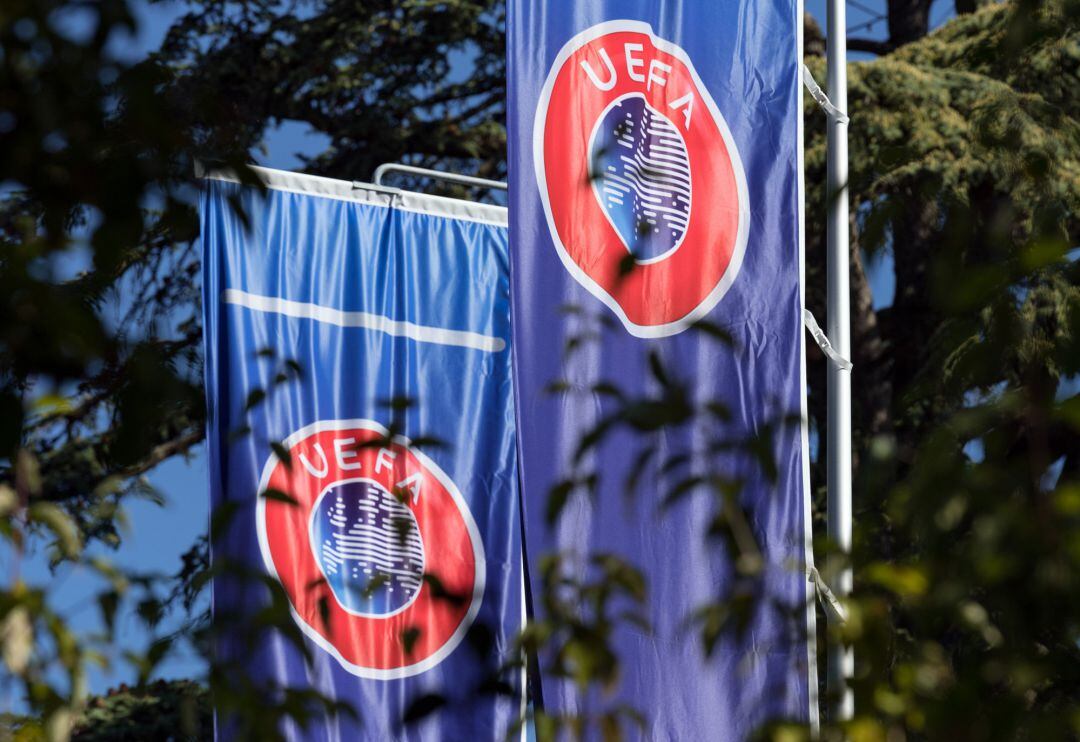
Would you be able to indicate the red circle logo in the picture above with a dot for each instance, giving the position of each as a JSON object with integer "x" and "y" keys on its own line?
{"x": 642, "y": 186}
{"x": 373, "y": 544}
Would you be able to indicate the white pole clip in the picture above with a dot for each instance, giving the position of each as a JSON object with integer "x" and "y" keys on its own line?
{"x": 822, "y": 100}
{"x": 829, "y": 601}
{"x": 823, "y": 342}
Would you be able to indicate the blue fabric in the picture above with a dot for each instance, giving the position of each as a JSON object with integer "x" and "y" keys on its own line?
{"x": 746, "y": 56}
{"x": 382, "y": 265}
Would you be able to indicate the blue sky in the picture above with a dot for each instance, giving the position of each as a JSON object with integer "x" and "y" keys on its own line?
{"x": 159, "y": 534}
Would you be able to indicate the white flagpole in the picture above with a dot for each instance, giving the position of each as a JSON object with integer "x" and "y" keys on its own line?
{"x": 841, "y": 660}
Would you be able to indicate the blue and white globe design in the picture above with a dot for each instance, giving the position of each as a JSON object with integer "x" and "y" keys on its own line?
{"x": 368, "y": 546}
{"x": 641, "y": 175}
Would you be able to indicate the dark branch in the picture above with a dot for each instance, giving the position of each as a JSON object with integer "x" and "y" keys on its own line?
{"x": 159, "y": 454}
{"x": 871, "y": 46}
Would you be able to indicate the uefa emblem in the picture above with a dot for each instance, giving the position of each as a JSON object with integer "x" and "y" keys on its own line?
{"x": 375, "y": 541}
{"x": 642, "y": 186}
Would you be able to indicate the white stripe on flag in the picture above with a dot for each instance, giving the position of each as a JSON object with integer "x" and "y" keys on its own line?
{"x": 365, "y": 320}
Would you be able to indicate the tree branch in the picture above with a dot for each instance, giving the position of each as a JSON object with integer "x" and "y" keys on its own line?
{"x": 174, "y": 447}
{"x": 871, "y": 46}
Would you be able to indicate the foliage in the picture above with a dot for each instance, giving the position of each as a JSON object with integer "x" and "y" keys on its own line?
{"x": 382, "y": 79}
{"x": 98, "y": 363}
{"x": 966, "y": 169}
{"x": 162, "y": 710}
{"x": 176, "y": 710}
{"x": 965, "y": 153}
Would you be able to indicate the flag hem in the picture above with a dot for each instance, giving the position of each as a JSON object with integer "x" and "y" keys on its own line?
{"x": 808, "y": 532}
{"x": 366, "y": 193}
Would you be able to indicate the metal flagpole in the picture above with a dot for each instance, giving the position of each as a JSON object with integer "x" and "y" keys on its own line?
{"x": 841, "y": 660}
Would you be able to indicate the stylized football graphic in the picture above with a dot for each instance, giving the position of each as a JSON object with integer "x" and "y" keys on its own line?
{"x": 642, "y": 186}
{"x": 366, "y": 528}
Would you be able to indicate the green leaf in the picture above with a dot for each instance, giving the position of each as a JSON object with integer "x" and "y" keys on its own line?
{"x": 409, "y": 636}
{"x": 254, "y": 398}
{"x": 277, "y": 495}
{"x": 283, "y": 454}
{"x": 68, "y": 537}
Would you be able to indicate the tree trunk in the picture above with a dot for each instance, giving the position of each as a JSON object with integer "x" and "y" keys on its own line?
{"x": 909, "y": 20}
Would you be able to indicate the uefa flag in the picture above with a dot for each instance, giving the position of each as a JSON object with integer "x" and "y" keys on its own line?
{"x": 361, "y": 443}
{"x": 656, "y": 264}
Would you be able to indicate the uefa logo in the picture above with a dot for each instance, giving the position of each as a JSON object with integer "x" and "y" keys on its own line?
{"x": 378, "y": 552}
{"x": 642, "y": 186}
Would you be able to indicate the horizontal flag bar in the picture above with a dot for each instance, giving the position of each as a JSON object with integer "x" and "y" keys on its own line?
{"x": 365, "y": 320}
{"x": 469, "y": 180}
{"x": 363, "y": 193}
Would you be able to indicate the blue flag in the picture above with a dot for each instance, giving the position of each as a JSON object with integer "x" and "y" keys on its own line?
{"x": 656, "y": 263}
{"x": 362, "y": 457}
